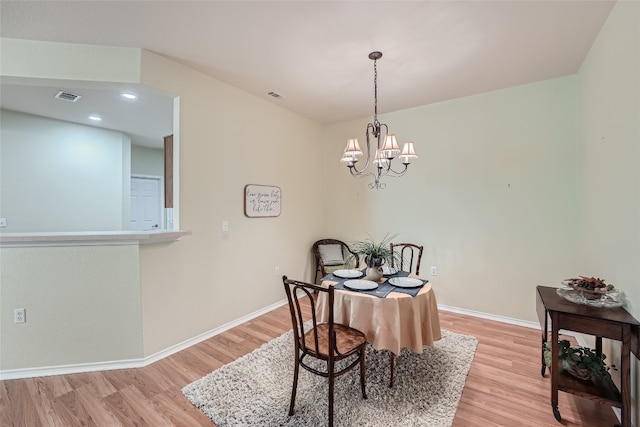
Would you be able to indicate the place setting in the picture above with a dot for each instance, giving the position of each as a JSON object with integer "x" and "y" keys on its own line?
{"x": 393, "y": 280}
{"x": 348, "y": 273}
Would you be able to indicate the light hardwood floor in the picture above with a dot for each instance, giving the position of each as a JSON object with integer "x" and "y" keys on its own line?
{"x": 504, "y": 386}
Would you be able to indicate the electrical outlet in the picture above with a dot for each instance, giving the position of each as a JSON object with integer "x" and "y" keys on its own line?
{"x": 3, "y": 222}
{"x": 277, "y": 270}
{"x": 225, "y": 225}
{"x": 434, "y": 271}
{"x": 19, "y": 315}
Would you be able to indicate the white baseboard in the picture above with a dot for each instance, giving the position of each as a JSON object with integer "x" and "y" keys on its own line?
{"x": 14, "y": 374}
{"x": 495, "y": 317}
{"x": 510, "y": 320}
{"x": 213, "y": 332}
{"x": 11, "y": 374}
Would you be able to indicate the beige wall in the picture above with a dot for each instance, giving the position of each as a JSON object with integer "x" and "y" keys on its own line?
{"x": 147, "y": 161}
{"x": 82, "y": 306}
{"x": 491, "y": 197}
{"x": 609, "y": 163}
{"x": 228, "y": 139}
{"x": 68, "y": 61}
{"x": 609, "y": 157}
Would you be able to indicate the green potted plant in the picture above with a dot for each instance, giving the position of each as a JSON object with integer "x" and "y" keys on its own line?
{"x": 375, "y": 254}
{"x": 581, "y": 362}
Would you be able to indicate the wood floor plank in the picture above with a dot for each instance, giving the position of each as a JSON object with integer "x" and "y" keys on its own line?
{"x": 57, "y": 385}
{"x": 43, "y": 400}
{"x": 21, "y": 405}
{"x": 141, "y": 378}
{"x": 503, "y": 388}
{"x": 92, "y": 399}
{"x": 119, "y": 406}
{"x": 134, "y": 397}
{"x": 5, "y": 410}
{"x": 178, "y": 410}
{"x": 70, "y": 408}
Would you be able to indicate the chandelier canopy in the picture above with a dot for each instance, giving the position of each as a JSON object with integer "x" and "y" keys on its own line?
{"x": 386, "y": 145}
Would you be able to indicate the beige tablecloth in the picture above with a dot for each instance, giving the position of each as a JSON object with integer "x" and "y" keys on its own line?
{"x": 392, "y": 323}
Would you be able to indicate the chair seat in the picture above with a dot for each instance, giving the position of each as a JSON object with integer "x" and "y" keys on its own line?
{"x": 348, "y": 340}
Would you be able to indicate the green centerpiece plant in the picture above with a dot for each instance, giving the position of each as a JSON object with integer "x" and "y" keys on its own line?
{"x": 581, "y": 362}
{"x": 375, "y": 254}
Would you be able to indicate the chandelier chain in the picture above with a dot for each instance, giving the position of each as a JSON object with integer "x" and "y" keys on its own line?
{"x": 375, "y": 91}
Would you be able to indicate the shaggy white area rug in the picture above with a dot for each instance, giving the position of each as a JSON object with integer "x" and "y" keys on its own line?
{"x": 255, "y": 389}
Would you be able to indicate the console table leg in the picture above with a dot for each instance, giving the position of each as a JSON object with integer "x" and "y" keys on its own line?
{"x": 553, "y": 370}
{"x": 544, "y": 365}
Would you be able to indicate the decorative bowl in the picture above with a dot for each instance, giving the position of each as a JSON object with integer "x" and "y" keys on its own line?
{"x": 589, "y": 288}
{"x": 591, "y": 291}
{"x": 609, "y": 300}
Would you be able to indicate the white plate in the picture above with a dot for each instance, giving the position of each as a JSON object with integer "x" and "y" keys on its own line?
{"x": 348, "y": 274}
{"x": 360, "y": 285}
{"x": 389, "y": 271}
{"x": 405, "y": 282}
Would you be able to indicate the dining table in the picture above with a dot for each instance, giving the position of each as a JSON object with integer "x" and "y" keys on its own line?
{"x": 391, "y": 317}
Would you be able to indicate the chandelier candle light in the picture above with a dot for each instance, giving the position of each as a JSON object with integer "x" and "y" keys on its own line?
{"x": 386, "y": 147}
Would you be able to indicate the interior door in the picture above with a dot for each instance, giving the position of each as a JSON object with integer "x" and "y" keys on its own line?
{"x": 146, "y": 203}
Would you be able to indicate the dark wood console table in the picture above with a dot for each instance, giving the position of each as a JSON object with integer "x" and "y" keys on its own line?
{"x": 613, "y": 323}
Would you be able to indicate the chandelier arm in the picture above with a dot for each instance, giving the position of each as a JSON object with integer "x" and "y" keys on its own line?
{"x": 386, "y": 132}
{"x": 381, "y": 137}
{"x": 354, "y": 170}
{"x": 395, "y": 174}
{"x": 369, "y": 126}
{"x": 363, "y": 174}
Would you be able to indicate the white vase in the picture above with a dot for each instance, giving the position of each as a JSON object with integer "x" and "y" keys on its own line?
{"x": 374, "y": 273}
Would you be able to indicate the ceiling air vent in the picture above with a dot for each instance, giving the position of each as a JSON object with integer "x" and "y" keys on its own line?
{"x": 67, "y": 96}
{"x": 274, "y": 94}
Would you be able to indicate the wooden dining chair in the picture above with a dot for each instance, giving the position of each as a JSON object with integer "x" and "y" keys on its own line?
{"x": 331, "y": 255}
{"x": 330, "y": 341}
{"x": 406, "y": 256}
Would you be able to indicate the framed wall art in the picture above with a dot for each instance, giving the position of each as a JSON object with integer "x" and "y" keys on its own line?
{"x": 262, "y": 201}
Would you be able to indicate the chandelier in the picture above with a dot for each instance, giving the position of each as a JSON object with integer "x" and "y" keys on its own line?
{"x": 386, "y": 145}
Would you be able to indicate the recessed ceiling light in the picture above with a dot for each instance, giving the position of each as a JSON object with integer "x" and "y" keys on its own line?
{"x": 95, "y": 118}
{"x": 129, "y": 96}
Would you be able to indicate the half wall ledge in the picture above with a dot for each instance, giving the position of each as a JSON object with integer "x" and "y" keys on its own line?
{"x": 90, "y": 238}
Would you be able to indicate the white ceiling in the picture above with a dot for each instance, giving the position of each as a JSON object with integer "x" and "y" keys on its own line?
{"x": 146, "y": 120}
{"x": 314, "y": 53}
